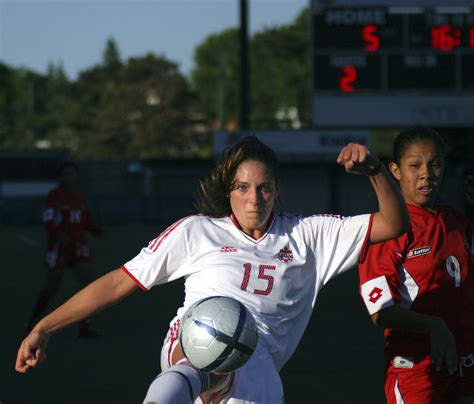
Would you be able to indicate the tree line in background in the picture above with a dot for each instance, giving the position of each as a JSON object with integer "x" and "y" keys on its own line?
{"x": 145, "y": 108}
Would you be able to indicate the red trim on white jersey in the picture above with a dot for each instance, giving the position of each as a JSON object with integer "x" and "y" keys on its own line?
{"x": 134, "y": 279}
{"x": 236, "y": 223}
{"x": 154, "y": 244}
{"x": 268, "y": 226}
{"x": 174, "y": 339}
{"x": 366, "y": 244}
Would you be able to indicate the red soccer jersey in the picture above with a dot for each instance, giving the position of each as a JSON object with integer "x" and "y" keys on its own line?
{"x": 429, "y": 270}
{"x": 66, "y": 212}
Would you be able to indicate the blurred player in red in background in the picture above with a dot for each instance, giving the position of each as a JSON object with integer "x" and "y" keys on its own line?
{"x": 66, "y": 219}
{"x": 420, "y": 287}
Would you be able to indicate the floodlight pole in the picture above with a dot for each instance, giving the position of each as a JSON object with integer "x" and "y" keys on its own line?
{"x": 244, "y": 67}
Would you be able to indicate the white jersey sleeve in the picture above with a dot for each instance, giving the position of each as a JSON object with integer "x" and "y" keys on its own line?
{"x": 338, "y": 242}
{"x": 166, "y": 258}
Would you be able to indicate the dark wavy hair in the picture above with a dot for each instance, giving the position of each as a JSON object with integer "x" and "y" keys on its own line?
{"x": 212, "y": 197}
{"x": 407, "y": 137}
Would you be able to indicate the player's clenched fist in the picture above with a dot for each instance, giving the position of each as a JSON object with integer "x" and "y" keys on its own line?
{"x": 32, "y": 351}
{"x": 358, "y": 159}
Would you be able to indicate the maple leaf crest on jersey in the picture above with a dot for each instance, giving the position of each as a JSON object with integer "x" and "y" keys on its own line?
{"x": 285, "y": 255}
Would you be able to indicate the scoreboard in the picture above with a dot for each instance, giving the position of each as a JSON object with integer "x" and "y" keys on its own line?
{"x": 393, "y": 66}
{"x": 387, "y": 50}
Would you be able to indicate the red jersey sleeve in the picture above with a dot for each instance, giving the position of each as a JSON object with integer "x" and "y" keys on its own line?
{"x": 379, "y": 276}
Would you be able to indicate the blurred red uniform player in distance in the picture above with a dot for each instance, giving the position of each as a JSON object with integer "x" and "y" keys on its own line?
{"x": 67, "y": 220}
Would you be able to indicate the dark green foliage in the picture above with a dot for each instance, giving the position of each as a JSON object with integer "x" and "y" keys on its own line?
{"x": 216, "y": 77}
{"x": 21, "y": 107}
{"x": 279, "y": 76}
{"x": 144, "y": 107}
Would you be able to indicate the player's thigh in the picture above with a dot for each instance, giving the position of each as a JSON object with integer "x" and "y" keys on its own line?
{"x": 258, "y": 380}
{"x": 168, "y": 358}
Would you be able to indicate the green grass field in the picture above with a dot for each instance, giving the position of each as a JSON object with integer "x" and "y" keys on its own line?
{"x": 339, "y": 360}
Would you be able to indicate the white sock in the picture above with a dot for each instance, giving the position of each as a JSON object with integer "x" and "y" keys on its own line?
{"x": 180, "y": 384}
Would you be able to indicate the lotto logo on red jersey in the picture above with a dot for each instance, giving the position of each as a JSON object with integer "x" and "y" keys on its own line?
{"x": 285, "y": 255}
{"x": 419, "y": 251}
{"x": 375, "y": 295}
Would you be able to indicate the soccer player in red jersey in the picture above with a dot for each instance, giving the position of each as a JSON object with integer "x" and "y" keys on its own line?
{"x": 67, "y": 220}
{"x": 419, "y": 287}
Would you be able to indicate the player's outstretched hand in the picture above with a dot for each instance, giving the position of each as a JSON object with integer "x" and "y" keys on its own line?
{"x": 443, "y": 347}
{"x": 32, "y": 351}
{"x": 358, "y": 159}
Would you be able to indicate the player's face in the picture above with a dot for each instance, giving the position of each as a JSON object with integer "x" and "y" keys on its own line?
{"x": 252, "y": 197}
{"x": 420, "y": 173}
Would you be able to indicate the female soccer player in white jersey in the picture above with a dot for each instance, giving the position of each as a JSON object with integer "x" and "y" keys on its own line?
{"x": 238, "y": 247}
{"x": 420, "y": 286}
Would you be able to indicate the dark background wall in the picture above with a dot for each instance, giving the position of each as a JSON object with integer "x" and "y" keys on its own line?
{"x": 124, "y": 192}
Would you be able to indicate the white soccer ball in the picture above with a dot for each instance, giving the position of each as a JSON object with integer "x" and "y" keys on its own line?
{"x": 218, "y": 334}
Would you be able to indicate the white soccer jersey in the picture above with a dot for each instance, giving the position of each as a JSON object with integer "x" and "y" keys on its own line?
{"x": 277, "y": 277}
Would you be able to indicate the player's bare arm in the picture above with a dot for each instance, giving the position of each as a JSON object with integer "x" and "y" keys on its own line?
{"x": 442, "y": 343}
{"x": 104, "y": 292}
{"x": 392, "y": 219}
